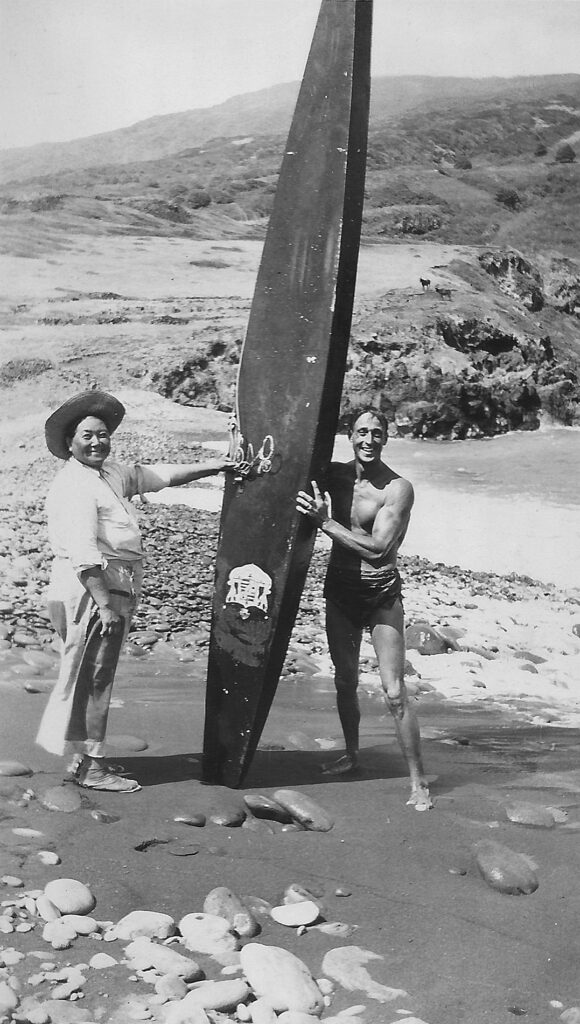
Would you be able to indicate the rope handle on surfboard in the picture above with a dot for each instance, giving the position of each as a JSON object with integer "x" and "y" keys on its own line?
{"x": 248, "y": 465}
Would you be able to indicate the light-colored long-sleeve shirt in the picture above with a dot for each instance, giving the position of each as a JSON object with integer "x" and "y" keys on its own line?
{"x": 90, "y": 517}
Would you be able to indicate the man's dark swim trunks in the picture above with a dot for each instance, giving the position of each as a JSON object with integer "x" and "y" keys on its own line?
{"x": 360, "y": 594}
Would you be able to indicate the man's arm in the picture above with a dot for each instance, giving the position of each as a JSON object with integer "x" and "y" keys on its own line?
{"x": 390, "y": 523}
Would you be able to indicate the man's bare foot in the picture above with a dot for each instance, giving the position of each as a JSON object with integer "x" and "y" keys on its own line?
{"x": 420, "y": 798}
{"x": 342, "y": 766}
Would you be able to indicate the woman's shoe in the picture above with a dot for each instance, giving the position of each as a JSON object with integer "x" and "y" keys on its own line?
{"x": 81, "y": 763}
{"x": 106, "y": 781}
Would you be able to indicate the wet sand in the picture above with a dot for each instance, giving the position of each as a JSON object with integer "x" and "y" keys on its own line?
{"x": 462, "y": 951}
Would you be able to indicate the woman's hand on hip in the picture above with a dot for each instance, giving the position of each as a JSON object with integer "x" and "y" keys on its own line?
{"x": 111, "y": 621}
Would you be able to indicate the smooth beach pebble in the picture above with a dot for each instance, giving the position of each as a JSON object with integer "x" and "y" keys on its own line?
{"x": 39, "y": 686}
{"x": 207, "y": 933}
{"x": 530, "y": 814}
{"x": 222, "y": 902}
{"x": 296, "y": 893}
{"x": 423, "y": 638}
{"x": 82, "y": 925}
{"x": 264, "y": 807}
{"x": 262, "y": 1012}
{"x": 258, "y": 825}
{"x": 231, "y": 817}
{"x": 147, "y": 923}
{"x": 337, "y": 929}
{"x": 220, "y": 996}
{"x": 295, "y": 914}
{"x": 571, "y": 1015}
{"x": 105, "y": 817}
{"x": 258, "y": 906}
{"x": 48, "y": 857}
{"x": 145, "y": 955}
{"x": 12, "y": 880}
{"x": 281, "y": 978}
{"x": 182, "y": 849}
{"x": 61, "y": 798}
{"x": 134, "y": 650}
{"x": 307, "y": 812}
{"x": 296, "y": 1017}
{"x": 24, "y": 639}
{"x": 8, "y": 1000}
{"x": 70, "y": 896}
{"x": 46, "y": 909}
{"x": 101, "y": 961}
{"x": 195, "y": 820}
{"x": 144, "y": 637}
{"x": 14, "y": 768}
{"x": 505, "y": 870}
{"x": 59, "y": 935}
{"x": 171, "y": 987}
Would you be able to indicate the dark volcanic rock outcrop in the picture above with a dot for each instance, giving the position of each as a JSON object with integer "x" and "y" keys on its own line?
{"x": 460, "y": 378}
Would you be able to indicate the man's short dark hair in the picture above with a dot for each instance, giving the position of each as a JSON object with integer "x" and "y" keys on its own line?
{"x": 364, "y": 410}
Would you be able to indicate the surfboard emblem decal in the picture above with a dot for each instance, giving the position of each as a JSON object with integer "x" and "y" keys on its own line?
{"x": 250, "y": 587}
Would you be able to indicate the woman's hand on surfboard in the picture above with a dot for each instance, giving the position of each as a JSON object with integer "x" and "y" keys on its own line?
{"x": 223, "y": 464}
{"x": 316, "y": 506}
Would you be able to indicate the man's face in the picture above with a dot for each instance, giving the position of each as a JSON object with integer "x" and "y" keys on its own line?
{"x": 91, "y": 442}
{"x": 368, "y": 438}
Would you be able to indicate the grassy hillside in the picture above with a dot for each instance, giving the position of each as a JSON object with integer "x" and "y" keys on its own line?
{"x": 453, "y": 160}
{"x": 269, "y": 111}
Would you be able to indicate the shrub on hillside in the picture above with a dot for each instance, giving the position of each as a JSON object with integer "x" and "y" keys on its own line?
{"x": 22, "y": 369}
{"x": 463, "y": 163}
{"x": 509, "y": 197}
{"x": 198, "y": 199}
{"x": 565, "y": 154}
{"x": 540, "y": 149}
{"x": 420, "y": 223}
{"x": 43, "y": 204}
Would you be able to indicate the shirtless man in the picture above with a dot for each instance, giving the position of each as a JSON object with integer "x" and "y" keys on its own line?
{"x": 366, "y": 513}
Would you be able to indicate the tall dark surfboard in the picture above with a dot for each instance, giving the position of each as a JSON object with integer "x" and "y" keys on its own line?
{"x": 289, "y": 387}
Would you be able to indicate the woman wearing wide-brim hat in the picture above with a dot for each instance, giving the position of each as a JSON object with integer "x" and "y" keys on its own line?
{"x": 96, "y": 574}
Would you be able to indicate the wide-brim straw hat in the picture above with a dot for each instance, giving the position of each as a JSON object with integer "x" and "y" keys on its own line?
{"x": 90, "y": 403}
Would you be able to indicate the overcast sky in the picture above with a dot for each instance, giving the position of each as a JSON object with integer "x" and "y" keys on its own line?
{"x": 70, "y": 68}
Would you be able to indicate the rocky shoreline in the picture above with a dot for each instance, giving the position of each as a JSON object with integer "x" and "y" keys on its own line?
{"x": 483, "y": 627}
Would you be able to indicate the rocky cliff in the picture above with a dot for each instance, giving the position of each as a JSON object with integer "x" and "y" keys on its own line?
{"x": 494, "y": 351}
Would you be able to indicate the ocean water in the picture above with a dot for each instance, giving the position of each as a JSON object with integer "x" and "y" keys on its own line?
{"x": 503, "y": 504}
{"x": 507, "y": 504}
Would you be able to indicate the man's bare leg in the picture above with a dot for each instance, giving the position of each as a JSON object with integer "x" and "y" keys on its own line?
{"x": 344, "y": 645}
{"x": 388, "y": 636}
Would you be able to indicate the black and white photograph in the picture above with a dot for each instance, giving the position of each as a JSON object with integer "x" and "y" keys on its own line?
{"x": 289, "y": 517}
